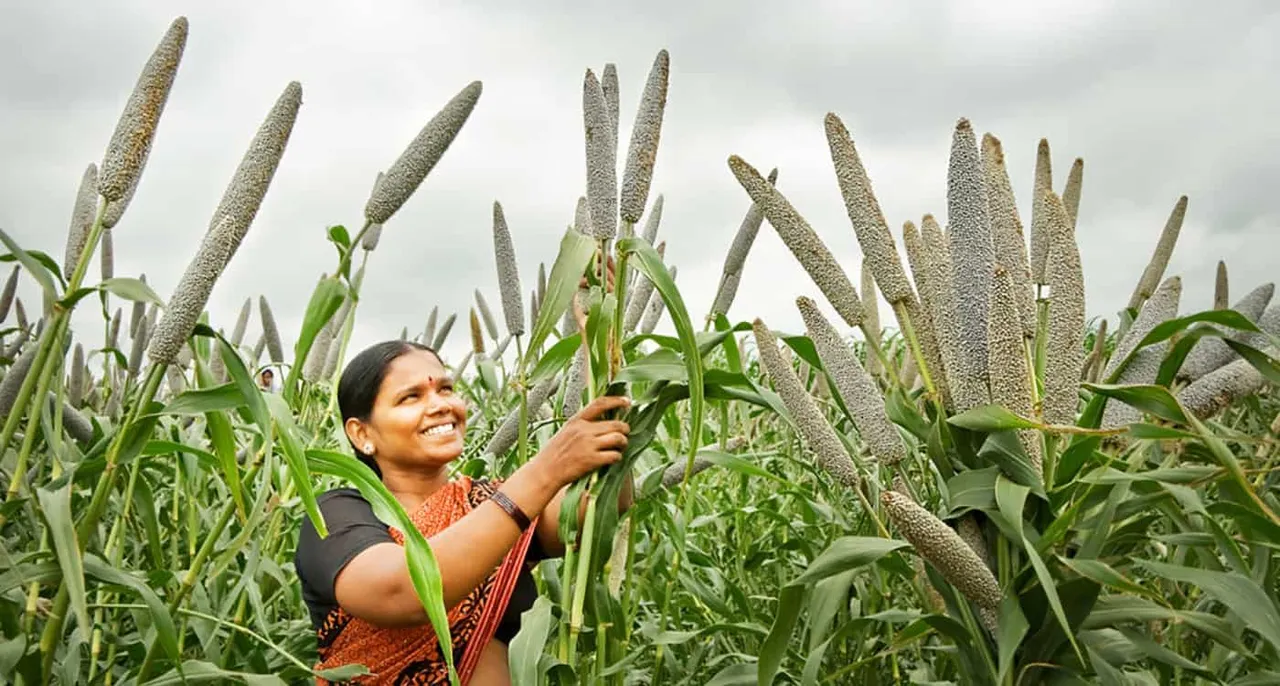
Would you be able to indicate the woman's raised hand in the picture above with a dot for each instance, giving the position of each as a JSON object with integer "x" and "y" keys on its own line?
{"x": 585, "y": 443}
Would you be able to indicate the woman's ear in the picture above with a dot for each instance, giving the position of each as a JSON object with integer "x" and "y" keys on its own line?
{"x": 356, "y": 431}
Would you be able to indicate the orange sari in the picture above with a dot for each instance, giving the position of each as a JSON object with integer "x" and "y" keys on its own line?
{"x": 411, "y": 655}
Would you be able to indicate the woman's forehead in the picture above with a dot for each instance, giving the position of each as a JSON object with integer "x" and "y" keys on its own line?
{"x": 414, "y": 367}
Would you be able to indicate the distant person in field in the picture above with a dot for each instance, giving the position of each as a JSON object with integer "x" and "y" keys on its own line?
{"x": 265, "y": 379}
{"x": 406, "y": 423}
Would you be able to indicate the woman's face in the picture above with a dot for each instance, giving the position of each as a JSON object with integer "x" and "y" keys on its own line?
{"x": 417, "y": 419}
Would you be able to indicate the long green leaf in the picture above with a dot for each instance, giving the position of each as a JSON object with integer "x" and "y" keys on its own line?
{"x": 571, "y": 263}
{"x": 56, "y": 508}
{"x": 1239, "y": 594}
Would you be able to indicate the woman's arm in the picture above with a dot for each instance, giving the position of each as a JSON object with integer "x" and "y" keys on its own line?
{"x": 375, "y": 585}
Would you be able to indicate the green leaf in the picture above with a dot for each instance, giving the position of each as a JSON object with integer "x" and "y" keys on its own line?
{"x": 1012, "y": 629}
{"x": 743, "y": 674}
{"x": 325, "y": 301}
{"x": 134, "y": 290}
{"x": 660, "y": 365}
{"x": 1004, "y": 450}
{"x": 784, "y": 623}
{"x": 571, "y": 262}
{"x": 989, "y": 418}
{"x": 527, "y": 646}
{"x": 339, "y": 235}
{"x": 166, "y": 632}
{"x": 1262, "y": 362}
{"x": 37, "y": 270}
{"x": 1240, "y": 594}
{"x": 1104, "y": 574}
{"x": 649, "y": 263}
{"x": 56, "y": 508}
{"x": 845, "y": 553}
{"x": 1011, "y": 498}
{"x": 554, "y": 359}
{"x": 1051, "y": 593}
{"x": 1149, "y": 398}
{"x": 204, "y": 400}
{"x": 287, "y": 431}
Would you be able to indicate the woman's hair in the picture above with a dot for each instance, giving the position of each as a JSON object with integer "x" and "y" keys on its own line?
{"x": 361, "y": 380}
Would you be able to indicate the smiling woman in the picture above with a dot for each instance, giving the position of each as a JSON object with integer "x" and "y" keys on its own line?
{"x": 405, "y": 422}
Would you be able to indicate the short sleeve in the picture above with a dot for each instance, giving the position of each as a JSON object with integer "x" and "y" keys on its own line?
{"x": 353, "y": 527}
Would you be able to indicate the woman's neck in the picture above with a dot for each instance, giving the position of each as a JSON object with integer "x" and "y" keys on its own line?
{"x": 413, "y": 486}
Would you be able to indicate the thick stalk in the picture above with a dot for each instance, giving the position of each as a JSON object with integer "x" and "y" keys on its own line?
{"x": 913, "y": 343}
{"x": 42, "y": 379}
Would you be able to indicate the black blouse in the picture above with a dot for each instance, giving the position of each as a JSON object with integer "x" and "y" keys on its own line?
{"x": 352, "y": 528}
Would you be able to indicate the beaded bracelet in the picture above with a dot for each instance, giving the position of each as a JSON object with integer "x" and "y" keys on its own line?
{"x": 508, "y": 505}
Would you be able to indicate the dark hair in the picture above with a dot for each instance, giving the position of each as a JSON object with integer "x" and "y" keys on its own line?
{"x": 361, "y": 380}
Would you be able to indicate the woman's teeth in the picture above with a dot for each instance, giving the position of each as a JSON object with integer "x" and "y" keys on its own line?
{"x": 437, "y": 430}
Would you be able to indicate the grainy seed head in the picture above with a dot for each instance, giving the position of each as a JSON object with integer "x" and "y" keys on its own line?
{"x": 645, "y": 134}
{"x": 1071, "y": 192}
{"x": 138, "y": 312}
{"x": 1210, "y": 353}
{"x": 576, "y": 384}
{"x": 318, "y": 356}
{"x": 331, "y": 360}
{"x": 508, "y": 274}
{"x": 82, "y": 216}
{"x": 1040, "y": 231}
{"x": 970, "y": 531}
{"x": 192, "y": 291}
{"x": 1010, "y": 371}
{"x": 75, "y": 424}
{"x": 76, "y": 384}
{"x": 864, "y": 213}
{"x": 490, "y": 324}
{"x": 404, "y": 333}
{"x": 1006, "y": 232}
{"x": 1160, "y": 258}
{"x": 871, "y": 316}
{"x": 6, "y": 297}
{"x": 130, "y": 145}
{"x": 113, "y": 331}
{"x": 1145, "y": 365}
{"x": 542, "y": 281}
{"x": 242, "y": 323}
{"x": 731, "y": 274}
{"x": 247, "y": 188}
{"x": 508, "y": 431}
{"x": 408, "y": 172}
{"x": 11, "y": 383}
{"x": 270, "y": 331}
{"x": 107, "y": 256}
{"x": 429, "y": 332}
{"x": 653, "y": 220}
{"x": 1221, "y": 296}
{"x": 443, "y": 334}
{"x": 859, "y": 391}
{"x": 534, "y": 304}
{"x": 802, "y": 240}
{"x": 140, "y": 338}
{"x": 21, "y": 313}
{"x": 972, "y": 262}
{"x": 1064, "y": 356}
{"x": 942, "y": 314}
{"x": 259, "y": 347}
{"x": 582, "y": 216}
{"x": 601, "y": 156}
{"x": 1217, "y": 390}
{"x": 944, "y": 549}
{"x": 674, "y": 475}
{"x": 477, "y": 335}
{"x": 609, "y": 87}
{"x": 816, "y": 433}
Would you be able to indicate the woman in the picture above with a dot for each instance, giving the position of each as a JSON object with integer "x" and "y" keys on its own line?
{"x": 405, "y": 421}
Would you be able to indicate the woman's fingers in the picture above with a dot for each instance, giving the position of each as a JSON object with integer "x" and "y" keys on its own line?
{"x": 613, "y": 439}
{"x": 601, "y": 405}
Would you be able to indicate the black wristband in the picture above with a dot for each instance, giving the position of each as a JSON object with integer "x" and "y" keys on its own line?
{"x": 509, "y": 506}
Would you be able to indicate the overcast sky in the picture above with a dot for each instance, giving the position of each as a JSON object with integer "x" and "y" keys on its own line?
{"x": 1158, "y": 103}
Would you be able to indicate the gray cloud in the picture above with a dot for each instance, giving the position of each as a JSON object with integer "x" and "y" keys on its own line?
{"x": 1158, "y": 104}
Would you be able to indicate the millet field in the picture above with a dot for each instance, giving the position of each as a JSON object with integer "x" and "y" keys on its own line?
{"x": 979, "y": 485}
